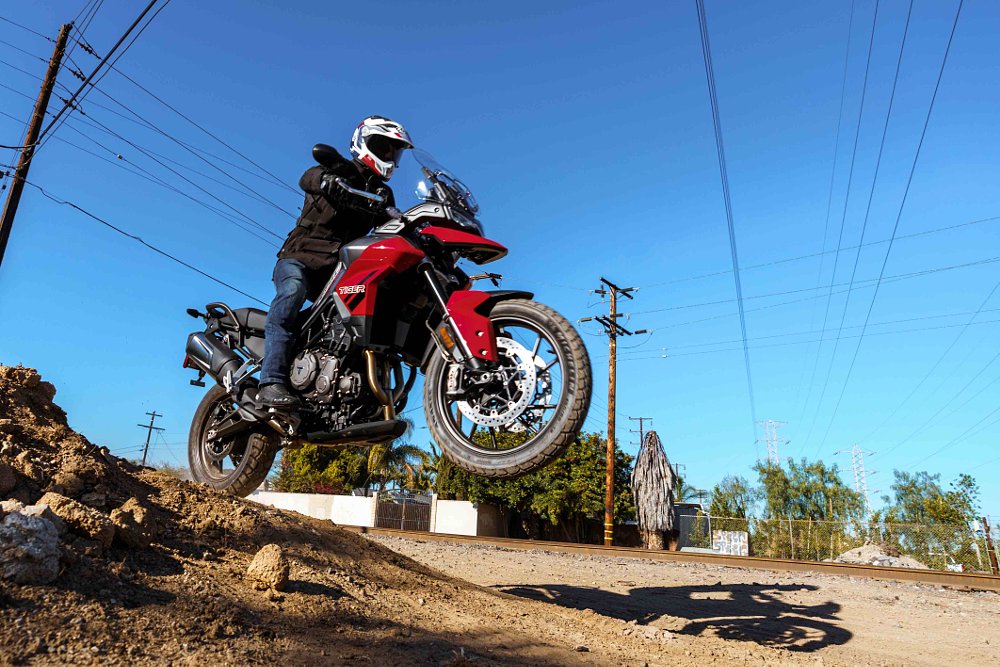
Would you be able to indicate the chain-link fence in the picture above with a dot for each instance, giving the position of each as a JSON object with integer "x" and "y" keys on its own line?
{"x": 940, "y": 546}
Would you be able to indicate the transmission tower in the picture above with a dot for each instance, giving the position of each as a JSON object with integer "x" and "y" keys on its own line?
{"x": 771, "y": 438}
{"x": 860, "y": 474}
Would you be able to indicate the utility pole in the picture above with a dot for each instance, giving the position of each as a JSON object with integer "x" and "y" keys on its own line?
{"x": 860, "y": 475}
{"x": 771, "y": 438}
{"x": 149, "y": 432}
{"x": 613, "y": 330}
{"x": 641, "y": 431}
{"x": 28, "y": 150}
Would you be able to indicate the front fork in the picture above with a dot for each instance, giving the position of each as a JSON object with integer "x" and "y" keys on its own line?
{"x": 447, "y": 336}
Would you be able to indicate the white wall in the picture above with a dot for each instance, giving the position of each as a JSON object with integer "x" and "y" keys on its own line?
{"x": 343, "y": 510}
{"x": 454, "y": 517}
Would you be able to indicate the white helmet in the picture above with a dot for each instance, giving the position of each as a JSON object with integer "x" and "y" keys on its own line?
{"x": 378, "y": 143}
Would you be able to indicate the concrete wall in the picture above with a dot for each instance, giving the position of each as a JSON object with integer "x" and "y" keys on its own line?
{"x": 455, "y": 517}
{"x": 343, "y": 510}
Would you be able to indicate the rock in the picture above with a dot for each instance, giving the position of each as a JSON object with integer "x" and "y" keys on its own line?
{"x": 29, "y": 549}
{"x": 268, "y": 569}
{"x": 582, "y": 649}
{"x": 7, "y": 478}
{"x": 8, "y": 506}
{"x": 71, "y": 483}
{"x": 45, "y": 512}
{"x": 27, "y": 467}
{"x": 81, "y": 519}
{"x": 133, "y": 524}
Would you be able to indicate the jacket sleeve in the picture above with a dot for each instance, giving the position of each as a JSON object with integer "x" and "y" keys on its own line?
{"x": 310, "y": 181}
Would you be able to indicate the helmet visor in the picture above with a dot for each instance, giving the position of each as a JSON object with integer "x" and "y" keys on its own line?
{"x": 386, "y": 148}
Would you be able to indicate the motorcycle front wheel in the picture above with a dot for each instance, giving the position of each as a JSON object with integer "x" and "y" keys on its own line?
{"x": 237, "y": 464}
{"x": 511, "y": 420}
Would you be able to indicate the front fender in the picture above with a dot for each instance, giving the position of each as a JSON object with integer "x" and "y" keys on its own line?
{"x": 470, "y": 311}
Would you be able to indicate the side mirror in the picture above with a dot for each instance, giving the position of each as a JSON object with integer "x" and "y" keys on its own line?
{"x": 328, "y": 156}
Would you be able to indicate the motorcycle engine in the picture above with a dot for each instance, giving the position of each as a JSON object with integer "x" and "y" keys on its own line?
{"x": 320, "y": 377}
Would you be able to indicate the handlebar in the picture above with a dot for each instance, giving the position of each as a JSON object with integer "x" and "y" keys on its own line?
{"x": 378, "y": 199}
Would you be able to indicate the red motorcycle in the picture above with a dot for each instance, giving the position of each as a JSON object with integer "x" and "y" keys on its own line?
{"x": 507, "y": 380}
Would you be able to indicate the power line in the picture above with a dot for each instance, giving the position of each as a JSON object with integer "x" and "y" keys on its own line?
{"x": 246, "y": 189}
{"x": 144, "y": 243}
{"x": 97, "y": 69}
{"x": 868, "y": 208}
{"x": 912, "y": 274}
{"x": 829, "y": 200}
{"x": 927, "y": 423}
{"x": 899, "y": 215}
{"x": 840, "y": 238}
{"x": 822, "y": 331}
{"x": 805, "y": 342}
{"x": 99, "y": 126}
{"x": 121, "y": 161}
{"x": 277, "y": 180}
{"x": 959, "y": 438}
{"x": 24, "y": 27}
{"x": 937, "y": 363}
{"x": 720, "y": 149}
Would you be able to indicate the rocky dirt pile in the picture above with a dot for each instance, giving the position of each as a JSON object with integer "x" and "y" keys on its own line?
{"x": 103, "y": 562}
{"x": 873, "y": 554}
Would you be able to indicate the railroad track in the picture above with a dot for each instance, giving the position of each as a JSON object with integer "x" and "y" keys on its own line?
{"x": 960, "y": 580}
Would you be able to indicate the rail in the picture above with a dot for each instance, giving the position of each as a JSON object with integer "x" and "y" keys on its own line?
{"x": 960, "y": 580}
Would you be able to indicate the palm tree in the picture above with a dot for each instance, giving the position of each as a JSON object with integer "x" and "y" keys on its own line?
{"x": 396, "y": 461}
{"x": 686, "y": 493}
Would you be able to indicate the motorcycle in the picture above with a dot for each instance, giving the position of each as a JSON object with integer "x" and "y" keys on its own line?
{"x": 507, "y": 380}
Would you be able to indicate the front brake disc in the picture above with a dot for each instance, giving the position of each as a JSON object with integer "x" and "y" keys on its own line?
{"x": 517, "y": 365}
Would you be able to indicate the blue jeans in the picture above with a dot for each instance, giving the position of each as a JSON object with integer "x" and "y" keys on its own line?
{"x": 291, "y": 284}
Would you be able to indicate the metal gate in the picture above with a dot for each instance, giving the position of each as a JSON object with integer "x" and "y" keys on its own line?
{"x": 403, "y": 510}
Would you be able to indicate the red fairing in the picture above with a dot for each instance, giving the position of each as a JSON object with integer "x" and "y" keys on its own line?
{"x": 474, "y": 325}
{"x": 358, "y": 288}
{"x": 480, "y": 249}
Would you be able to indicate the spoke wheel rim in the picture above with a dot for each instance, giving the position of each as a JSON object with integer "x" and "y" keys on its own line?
{"x": 212, "y": 456}
{"x": 453, "y": 415}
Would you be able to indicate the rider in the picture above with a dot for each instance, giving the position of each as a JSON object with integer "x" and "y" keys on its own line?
{"x": 330, "y": 217}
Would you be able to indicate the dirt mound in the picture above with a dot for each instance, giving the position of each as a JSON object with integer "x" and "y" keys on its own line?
{"x": 873, "y": 554}
{"x": 152, "y": 570}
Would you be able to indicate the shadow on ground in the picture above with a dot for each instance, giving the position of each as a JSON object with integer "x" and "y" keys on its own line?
{"x": 765, "y": 614}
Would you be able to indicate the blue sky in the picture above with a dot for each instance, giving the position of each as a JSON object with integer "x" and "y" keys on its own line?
{"x": 584, "y": 130}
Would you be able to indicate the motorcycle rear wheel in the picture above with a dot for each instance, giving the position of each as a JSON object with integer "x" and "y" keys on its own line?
{"x": 249, "y": 455}
{"x": 528, "y": 442}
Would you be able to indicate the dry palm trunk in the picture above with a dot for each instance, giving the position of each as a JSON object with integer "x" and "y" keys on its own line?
{"x": 653, "y": 482}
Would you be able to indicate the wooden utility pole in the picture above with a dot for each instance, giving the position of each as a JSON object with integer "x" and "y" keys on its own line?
{"x": 30, "y": 140}
{"x": 641, "y": 431}
{"x": 149, "y": 432}
{"x": 613, "y": 329}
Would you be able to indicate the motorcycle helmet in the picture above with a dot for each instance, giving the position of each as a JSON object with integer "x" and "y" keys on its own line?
{"x": 378, "y": 143}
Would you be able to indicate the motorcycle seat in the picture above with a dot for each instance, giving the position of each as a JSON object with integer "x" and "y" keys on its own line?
{"x": 251, "y": 320}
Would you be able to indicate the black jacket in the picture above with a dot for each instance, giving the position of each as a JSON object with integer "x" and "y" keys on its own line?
{"x": 330, "y": 220}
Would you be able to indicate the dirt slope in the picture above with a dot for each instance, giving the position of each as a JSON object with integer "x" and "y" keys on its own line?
{"x": 183, "y": 599}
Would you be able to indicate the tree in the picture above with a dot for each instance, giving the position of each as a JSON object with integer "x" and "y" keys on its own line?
{"x": 566, "y": 493}
{"x": 927, "y": 522}
{"x": 807, "y": 490}
{"x": 396, "y": 462}
{"x": 732, "y": 497}
{"x": 686, "y": 493}
{"x": 652, "y": 489}
{"x": 312, "y": 469}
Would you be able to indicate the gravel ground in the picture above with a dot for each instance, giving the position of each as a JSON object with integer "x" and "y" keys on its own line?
{"x": 829, "y": 619}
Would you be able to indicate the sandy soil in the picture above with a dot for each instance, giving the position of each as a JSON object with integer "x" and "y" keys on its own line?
{"x": 182, "y": 596}
{"x": 829, "y": 619}
{"x": 170, "y": 587}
